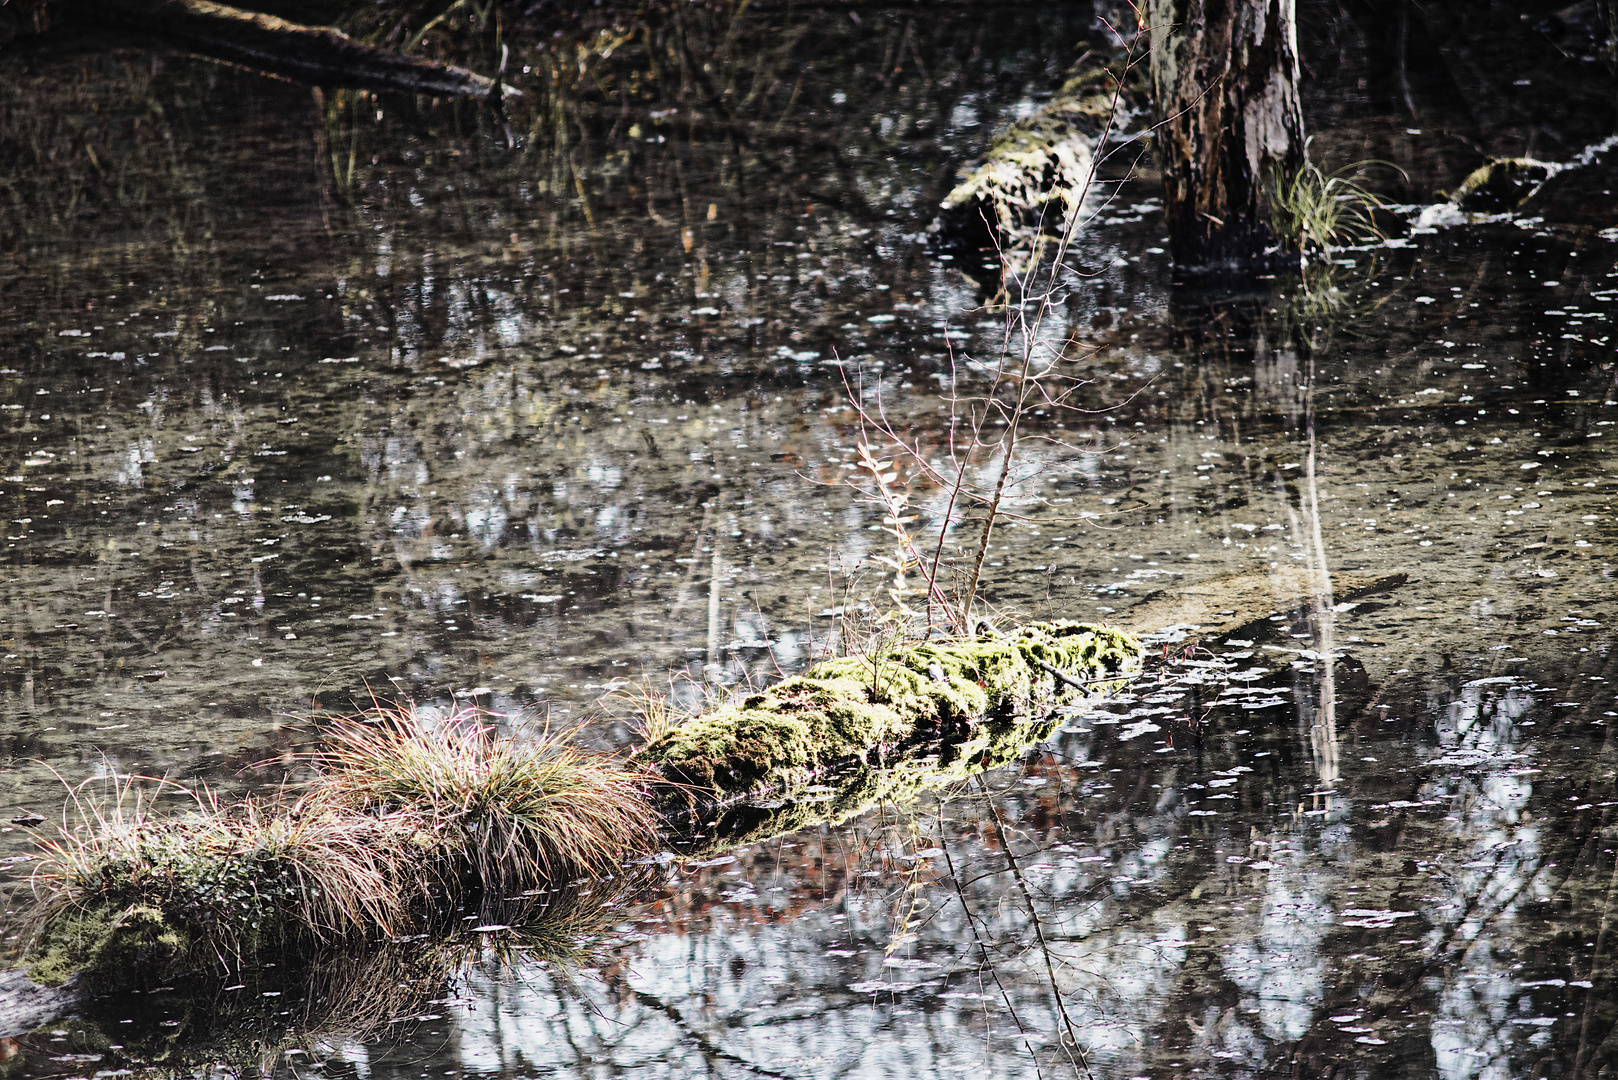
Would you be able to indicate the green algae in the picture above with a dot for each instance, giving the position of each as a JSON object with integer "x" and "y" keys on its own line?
{"x": 863, "y": 708}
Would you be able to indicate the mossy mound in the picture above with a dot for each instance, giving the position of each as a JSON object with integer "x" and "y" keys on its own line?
{"x": 409, "y": 819}
{"x": 165, "y": 896}
{"x": 853, "y": 709}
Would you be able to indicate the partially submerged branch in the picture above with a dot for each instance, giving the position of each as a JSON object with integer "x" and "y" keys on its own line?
{"x": 413, "y": 820}
{"x": 313, "y": 54}
{"x": 861, "y": 708}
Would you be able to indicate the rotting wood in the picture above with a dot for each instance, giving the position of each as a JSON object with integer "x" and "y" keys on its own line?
{"x": 880, "y": 728}
{"x": 1036, "y": 173}
{"x": 865, "y": 708}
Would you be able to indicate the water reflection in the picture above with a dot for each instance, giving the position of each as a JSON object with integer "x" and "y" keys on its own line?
{"x": 301, "y": 401}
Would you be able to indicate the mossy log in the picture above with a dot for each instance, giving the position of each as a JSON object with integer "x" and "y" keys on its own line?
{"x": 857, "y": 788}
{"x": 1036, "y": 173}
{"x": 413, "y": 820}
{"x": 855, "y": 709}
{"x": 1501, "y": 185}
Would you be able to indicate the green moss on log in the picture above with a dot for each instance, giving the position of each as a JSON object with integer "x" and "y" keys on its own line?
{"x": 101, "y": 938}
{"x": 860, "y": 708}
{"x": 1501, "y": 184}
{"x": 1036, "y": 172}
{"x": 965, "y": 753}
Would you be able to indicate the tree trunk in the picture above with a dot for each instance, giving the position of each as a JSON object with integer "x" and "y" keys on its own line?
{"x": 1225, "y": 86}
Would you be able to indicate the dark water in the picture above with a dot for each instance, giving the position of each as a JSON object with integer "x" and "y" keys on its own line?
{"x": 314, "y": 398}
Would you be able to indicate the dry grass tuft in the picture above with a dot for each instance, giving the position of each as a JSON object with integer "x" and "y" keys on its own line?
{"x": 521, "y": 809}
{"x": 409, "y": 815}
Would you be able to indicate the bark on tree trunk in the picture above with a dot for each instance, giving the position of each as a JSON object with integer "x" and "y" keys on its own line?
{"x": 1225, "y": 86}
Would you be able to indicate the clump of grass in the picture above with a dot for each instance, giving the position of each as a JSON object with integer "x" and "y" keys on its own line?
{"x": 649, "y": 713}
{"x": 406, "y": 818}
{"x": 217, "y": 883}
{"x": 519, "y": 810}
{"x": 1312, "y": 210}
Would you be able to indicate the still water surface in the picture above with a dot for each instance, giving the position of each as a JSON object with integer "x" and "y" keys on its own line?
{"x": 309, "y": 399}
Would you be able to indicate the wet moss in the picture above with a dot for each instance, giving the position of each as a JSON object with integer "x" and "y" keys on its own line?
{"x": 1037, "y": 171}
{"x": 859, "y": 787}
{"x": 858, "y": 708}
{"x": 103, "y": 939}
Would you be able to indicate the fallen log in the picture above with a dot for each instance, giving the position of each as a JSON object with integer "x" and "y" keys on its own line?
{"x": 319, "y": 55}
{"x": 865, "y": 709}
{"x": 1037, "y": 172}
{"x": 1227, "y": 603}
{"x": 413, "y": 822}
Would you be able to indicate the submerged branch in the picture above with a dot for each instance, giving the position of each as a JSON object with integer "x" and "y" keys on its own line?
{"x": 314, "y": 54}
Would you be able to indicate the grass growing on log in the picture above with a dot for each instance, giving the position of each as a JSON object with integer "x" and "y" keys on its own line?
{"x": 853, "y": 708}
{"x": 220, "y": 883}
{"x": 406, "y": 818}
{"x": 519, "y": 810}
